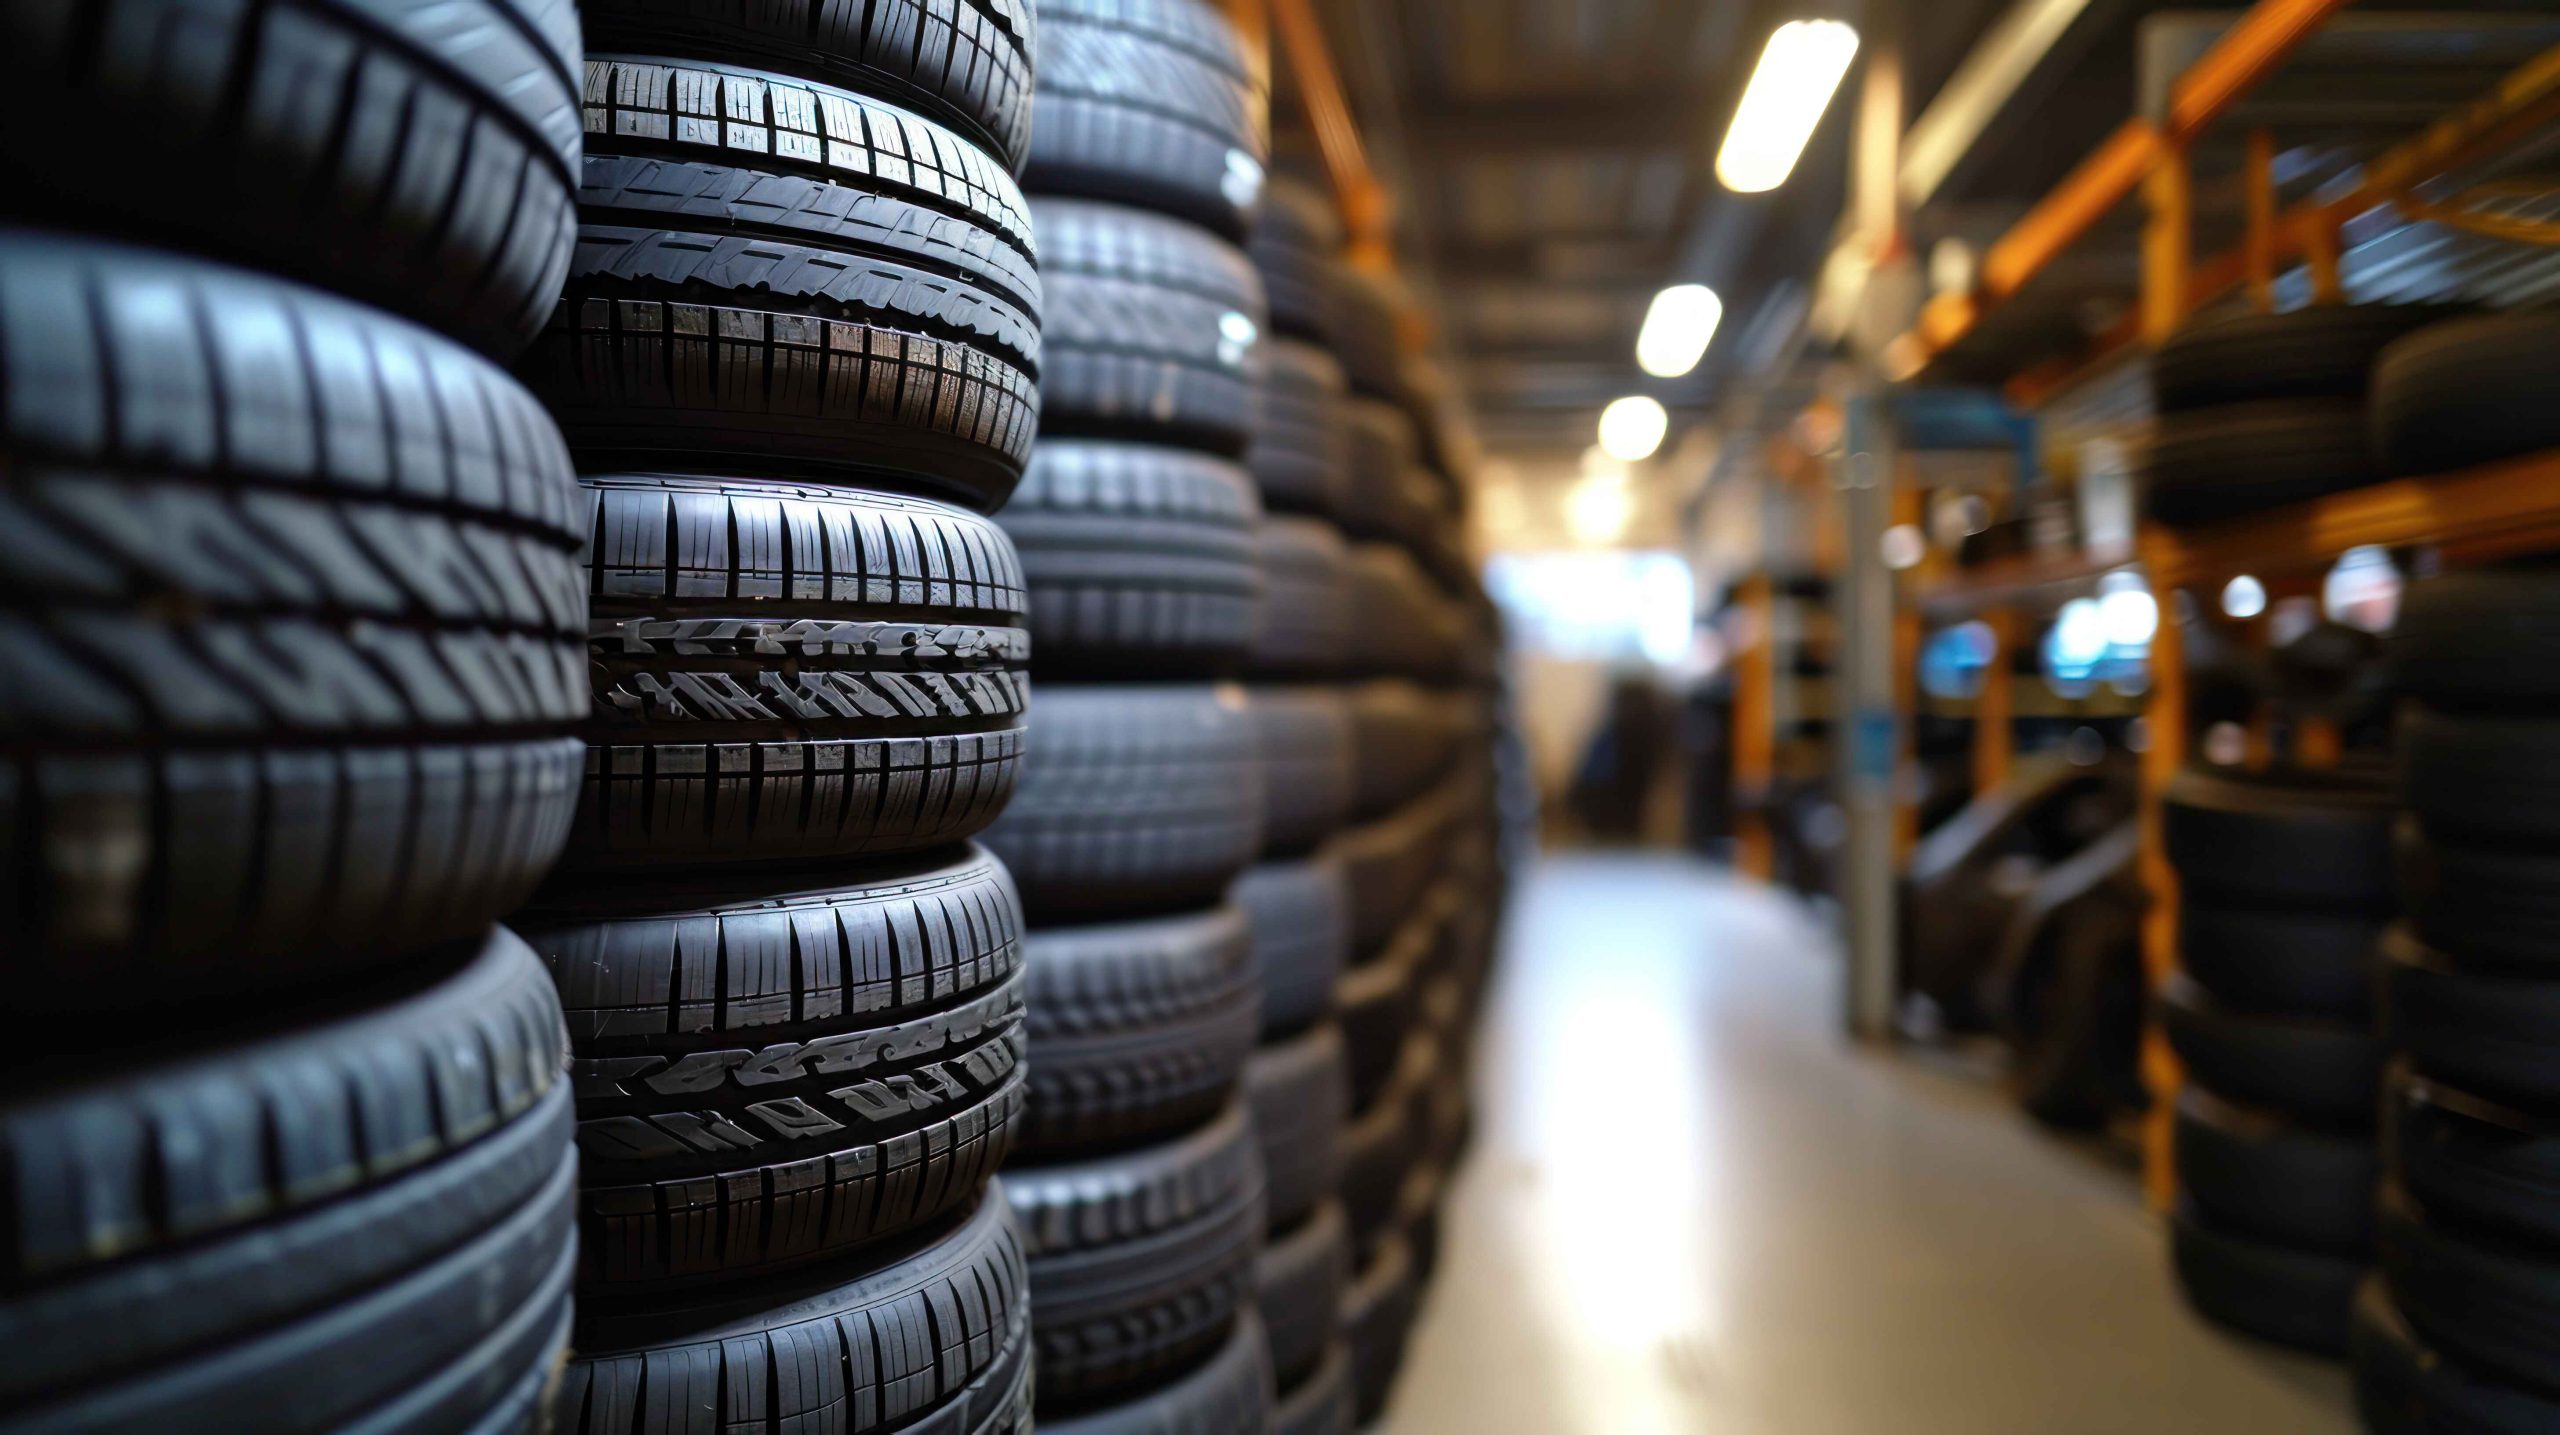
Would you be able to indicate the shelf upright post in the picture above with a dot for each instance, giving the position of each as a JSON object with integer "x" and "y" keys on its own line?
{"x": 1995, "y": 711}
{"x": 1755, "y": 740}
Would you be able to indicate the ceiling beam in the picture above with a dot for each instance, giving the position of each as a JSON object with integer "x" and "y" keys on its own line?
{"x": 1597, "y": 120}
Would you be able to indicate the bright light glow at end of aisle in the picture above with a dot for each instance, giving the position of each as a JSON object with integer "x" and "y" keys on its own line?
{"x": 1677, "y": 330}
{"x": 1789, "y": 91}
{"x": 2244, "y": 597}
{"x": 1632, "y": 428}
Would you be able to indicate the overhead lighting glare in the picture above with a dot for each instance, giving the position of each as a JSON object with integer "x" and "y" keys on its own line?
{"x": 1632, "y": 428}
{"x": 1677, "y": 329}
{"x": 1789, "y": 91}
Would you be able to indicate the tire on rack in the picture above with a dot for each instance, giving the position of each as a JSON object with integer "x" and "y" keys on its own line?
{"x": 2317, "y": 1069}
{"x": 1301, "y": 453}
{"x": 790, "y": 672}
{"x": 2489, "y": 1302}
{"x": 1404, "y": 740}
{"x": 2497, "y": 907}
{"x": 2466, "y": 392}
{"x": 2490, "y": 1032}
{"x": 2404, "y": 1386}
{"x": 1136, "y": 798}
{"x": 1154, "y": 329}
{"x": 1321, "y": 1402}
{"x": 1138, "y": 1028}
{"x": 2205, "y": 465}
{"x": 931, "y": 1331}
{"x": 291, "y": 633}
{"x": 1308, "y": 766}
{"x": 2479, "y": 638}
{"x": 1382, "y": 1145}
{"x": 1368, "y": 323}
{"x": 1140, "y": 1261}
{"x": 1230, "y": 1391}
{"x": 833, "y": 285}
{"x": 2316, "y": 838}
{"x": 1378, "y": 1003}
{"x": 1377, "y": 1316}
{"x": 2260, "y": 1176}
{"x": 421, "y": 157}
{"x": 964, "y": 63}
{"x": 2281, "y": 1293}
{"x": 1300, "y": 1093}
{"x": 2475, "y": 1159}
{"x": 1307, "y": 615}
{"x": 362, "y": 1219}
{"x": 1388, "y": 864}
{"x": 1298, "y": 1285}
{"x": 1294, "y": 243}
{"x": 1151, "y": 103}
{"x": 770, "y": 1075}
{"x": 2305, "y": 960}
{"x": 1300, "y": 916}
{"x": 1382, "y": 448}
{"x": 1140, "y": 559}
{"x": 2495, "y": 779}
{"x": 2323, "y": 351}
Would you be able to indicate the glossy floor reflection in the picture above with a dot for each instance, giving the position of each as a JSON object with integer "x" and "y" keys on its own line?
{"x": 1693, "y": 1207}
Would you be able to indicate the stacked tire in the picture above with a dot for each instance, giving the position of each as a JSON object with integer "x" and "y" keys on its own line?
{"x": 290, "y": 653}
{"x": 797, "y": 359}
{"x": 2458, "y": 1330}
{"x": 2285, "y": 885}
{"x": 1138, "y": 1178}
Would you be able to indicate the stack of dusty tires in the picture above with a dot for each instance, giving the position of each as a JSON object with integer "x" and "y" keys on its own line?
{"x": 290, "y": 661}
{"x": 1138, "y": 1180}
{"x": 2285, "y": 883}
{"x": 797, "y": 360}
{"x": 2461, "y": 1331}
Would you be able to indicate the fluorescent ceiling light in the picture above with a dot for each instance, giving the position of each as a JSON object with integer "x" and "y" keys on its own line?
{"x": 1632, "y": 428}
{"x": 1789, "y": 91}
{"x": 1676, "y": 330}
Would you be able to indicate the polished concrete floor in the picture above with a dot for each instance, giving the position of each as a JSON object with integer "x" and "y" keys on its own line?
{"x": 1694, "y": 1207}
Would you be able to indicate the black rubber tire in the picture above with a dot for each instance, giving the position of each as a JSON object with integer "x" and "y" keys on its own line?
{"x": 289, "y": 665}
{"x": 1418, "y": 1216}
{"x": 1388, "y": 864}
{"x": 2323, "y": 351}
{"x": 2494, "y": 1033}
{"x": 2072, "y": 1015}
{"x": 1300, "y": 1094}
{"x": 1141, "y": 1261}
{"x": 1321, "y": 1402}
{"x": 788, "y": 672}
{"x": 770, "y": 1076}
{"x": 415, "y": 154}
{"x": 2491, "y": 1303}
{"x": 1382, "y": 1145}
{"x": 1300, "y": 915}
{"x": 2280, "y": 959}
{"x": 2308, "y": 837}
{"x": 2276, "y": 1292}
{"x": 2476, "y": 1160}
{"x": 2480, "y": 638}
{"x": 1135, "y": 798}
{"x": 928, "y": 1334}
{"x": 1404, "y": 741}
{"x": 867, "y": 311}
{"x": 1141, "y": 560}
{"x": 1295, "y": 239}
{"x": 2314, "y": 1069}
{"x": 2496, "y": 779}
{"x": 1402, "y": 628}
{"x": 963, "y": 63}
{"x": 1138, "y": 1029}
{"x": 1153, "y": 103}
{"x": 1377, "y": 1317}
{"x": 1382, "y": 449}
{"x": 1228, "y": 1394}
{"x": 1301, "y": 453}
{"x": 1299, "y": 1286}
{"x": 1154, "y": 329}
{"x": 2258, "y": 1175}
{"x": 1307, "y": 628}
{"x": 1307, "y": 737}
{"x": 2204, "y": 465}
{"x": 1368, "y": 320}
{"x": 2406, "y": 1387}
{"x": 2468, "y": 392}
{"x": 1378, "y": 1002}
{"x": 2493, "y": 908}
{"x": 363, "y": 1218}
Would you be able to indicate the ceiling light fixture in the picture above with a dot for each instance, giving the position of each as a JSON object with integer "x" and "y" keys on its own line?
{"x": 1790, "y": 89}
{"x": 1677, "y": 330}
{"x": 1632, "y": 428}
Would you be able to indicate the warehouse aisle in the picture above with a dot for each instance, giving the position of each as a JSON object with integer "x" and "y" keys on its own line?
{"x": 1692, "y": 1208}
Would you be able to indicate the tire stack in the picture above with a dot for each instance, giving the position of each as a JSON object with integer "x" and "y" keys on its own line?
{"x": 2256, "y": 411}
{"x": 797, "y": 359}
{"x": 2461, "y": 1330}
{"x": 288, "y": 650}
{"x": 2285, "y": 882}
{"x": 1138, "y": 1179}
